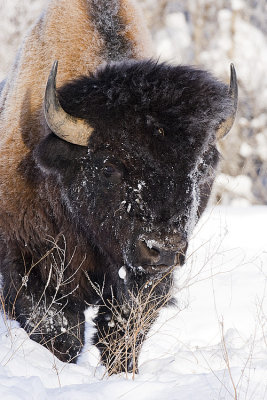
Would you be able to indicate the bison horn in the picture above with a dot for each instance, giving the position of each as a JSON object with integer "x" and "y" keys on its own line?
{"x": 226, "y": 125}
{"x": 71, "y": 129}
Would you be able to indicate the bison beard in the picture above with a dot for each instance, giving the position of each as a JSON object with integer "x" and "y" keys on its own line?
{"x": 105, "y": 221}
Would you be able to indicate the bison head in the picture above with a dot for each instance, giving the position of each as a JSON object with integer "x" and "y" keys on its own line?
{"x": 132, "y": 149}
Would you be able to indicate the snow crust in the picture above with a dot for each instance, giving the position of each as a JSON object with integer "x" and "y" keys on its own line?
{"x": 211, "y": 346}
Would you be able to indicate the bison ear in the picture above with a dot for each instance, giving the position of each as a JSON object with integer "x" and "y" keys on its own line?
{"x": 54, "y": 155}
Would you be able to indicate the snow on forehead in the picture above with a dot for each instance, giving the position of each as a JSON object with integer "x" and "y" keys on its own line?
{"x": 140, "y": 186}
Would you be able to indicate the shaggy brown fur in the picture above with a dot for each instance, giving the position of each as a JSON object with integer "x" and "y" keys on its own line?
{"x": 64, "y": 32}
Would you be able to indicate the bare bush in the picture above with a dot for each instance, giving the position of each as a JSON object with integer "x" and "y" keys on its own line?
{"x": 129, "y": 324}
{"x": 47, "y": 311}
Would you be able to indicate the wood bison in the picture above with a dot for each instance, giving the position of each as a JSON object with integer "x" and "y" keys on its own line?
{"x": 103, "y": 179}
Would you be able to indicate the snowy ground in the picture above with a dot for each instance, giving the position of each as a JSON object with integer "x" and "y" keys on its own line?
{"x": 214, "y": 346}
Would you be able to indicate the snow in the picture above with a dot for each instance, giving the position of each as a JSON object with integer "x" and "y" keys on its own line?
{"x": 211, "y": 346}
{"x": 239, "y": 188}
{"x": 122, "y": 273}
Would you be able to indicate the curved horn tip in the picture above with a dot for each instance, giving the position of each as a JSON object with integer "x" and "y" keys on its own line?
{"x": 53, "y": 72}
{"x": 233, "y": 80}
{"x": 232, "y": 68}
{"x": 55, "y": 65}
{"x": 226, "y": 125}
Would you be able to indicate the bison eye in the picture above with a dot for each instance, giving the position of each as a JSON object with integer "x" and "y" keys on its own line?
{"x": 112, "y": 173}
{"x": 109, "y": 170}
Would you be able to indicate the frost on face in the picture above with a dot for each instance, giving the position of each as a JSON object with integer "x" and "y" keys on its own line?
{"x": 152, "y": 244}
{"x": 136, "y": 196}
{"x": 1, "y": 282}
{"x": 193, "y": 192}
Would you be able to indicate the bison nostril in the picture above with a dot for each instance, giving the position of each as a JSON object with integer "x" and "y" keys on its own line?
{"x": 153, "y": 251}
{"x": 148, "y": 254}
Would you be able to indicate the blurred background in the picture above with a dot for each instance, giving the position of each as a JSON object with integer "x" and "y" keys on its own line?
{"x": 209, "y": 34}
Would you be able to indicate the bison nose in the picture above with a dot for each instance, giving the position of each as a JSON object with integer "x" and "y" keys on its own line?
{"x": 154, "y": 253}
{"x": 147, "y": 254}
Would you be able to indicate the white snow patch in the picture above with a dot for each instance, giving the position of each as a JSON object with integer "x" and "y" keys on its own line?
{"x": 122, "y": 272}
{"x": 151, "y": 243}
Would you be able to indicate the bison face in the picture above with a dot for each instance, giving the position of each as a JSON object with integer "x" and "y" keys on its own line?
{"x": 137, "y": 188}
{"x": 137, "y": 203}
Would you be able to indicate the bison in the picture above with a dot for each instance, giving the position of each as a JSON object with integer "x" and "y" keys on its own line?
{"x": 106, "y": 164}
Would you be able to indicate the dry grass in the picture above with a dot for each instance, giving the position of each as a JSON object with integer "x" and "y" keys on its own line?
{"x": 46, "y": 309}
{"x": 129, "y": 324}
